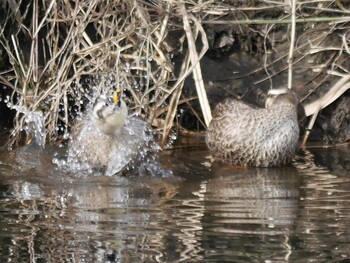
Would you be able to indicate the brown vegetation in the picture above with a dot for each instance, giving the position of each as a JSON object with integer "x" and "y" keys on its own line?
{"x": 57, "y": 55}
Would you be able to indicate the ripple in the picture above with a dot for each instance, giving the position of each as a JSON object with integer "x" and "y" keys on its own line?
{"x": 299, "y": 213}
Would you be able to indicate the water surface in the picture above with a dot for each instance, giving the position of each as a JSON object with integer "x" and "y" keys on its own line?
{"x": 191, "y": 210}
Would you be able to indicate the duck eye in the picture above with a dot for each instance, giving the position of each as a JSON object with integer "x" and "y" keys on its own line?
{"x": 109, "y": 101}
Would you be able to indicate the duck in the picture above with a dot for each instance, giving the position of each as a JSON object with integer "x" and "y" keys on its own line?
{"x": 109, "y": 117}
{"x": 107, "y": 137}
{"x": 247, "y": 134}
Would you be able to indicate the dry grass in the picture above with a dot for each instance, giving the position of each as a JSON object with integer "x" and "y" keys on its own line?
{"x": 62, "y": 53}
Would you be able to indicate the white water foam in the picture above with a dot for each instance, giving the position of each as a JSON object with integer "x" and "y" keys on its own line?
{"x": 132, "y": 149}
{"x": 34, "y": 123}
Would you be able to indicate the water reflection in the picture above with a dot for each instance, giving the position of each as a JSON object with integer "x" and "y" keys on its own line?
{"x": 197, "y": 213}
{"x": 325, "y": 207}
{"x": 247, "y": 206}
{"x": 85, "y": 220}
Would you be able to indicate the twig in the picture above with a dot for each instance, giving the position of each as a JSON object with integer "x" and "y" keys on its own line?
{"x": 197, "y": 73}
{"x": 313, "y": 108}
{"x": 173, "y": 106}
{"x": 334, "y": 93}
{"x": 291, "y": 47}
{"x": 284, "y": 21}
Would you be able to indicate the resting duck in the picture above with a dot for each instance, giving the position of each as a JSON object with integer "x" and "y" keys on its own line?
{"x": 108, "y": 137}
{"x": 248, "y": 135}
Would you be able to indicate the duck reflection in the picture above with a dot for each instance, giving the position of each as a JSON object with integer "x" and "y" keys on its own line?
{"x": 85, "y": 221}
{"x": 250, "y": 204}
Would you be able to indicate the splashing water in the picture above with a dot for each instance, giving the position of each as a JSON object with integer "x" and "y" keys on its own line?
{"x": 34, "y": 123}
{"x": 132, "y": 149}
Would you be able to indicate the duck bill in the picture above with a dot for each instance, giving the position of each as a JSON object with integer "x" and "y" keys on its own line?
{"x": 116, "y": 97}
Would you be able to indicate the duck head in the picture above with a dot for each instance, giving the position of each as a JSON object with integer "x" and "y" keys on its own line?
{"x": 109, "y": 113}
{"x": 289, "y": 98}
{"x": 282, "y": 94}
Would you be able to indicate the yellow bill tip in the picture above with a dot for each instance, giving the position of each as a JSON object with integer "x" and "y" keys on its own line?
{"x": 116, "y": 96}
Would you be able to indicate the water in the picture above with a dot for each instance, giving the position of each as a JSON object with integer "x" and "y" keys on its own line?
{"x": 34, "y": 123}
{"x": 200, "y": 212}
{"x": 90, "y": 148}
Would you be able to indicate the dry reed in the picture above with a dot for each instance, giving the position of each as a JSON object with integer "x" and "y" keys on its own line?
{"x": 60, "y": 54}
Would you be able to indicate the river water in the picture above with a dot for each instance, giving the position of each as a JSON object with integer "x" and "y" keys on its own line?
{"x": 190, "y": 210}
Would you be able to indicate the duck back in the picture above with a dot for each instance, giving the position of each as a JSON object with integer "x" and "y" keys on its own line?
{"x": 254, "y": 136}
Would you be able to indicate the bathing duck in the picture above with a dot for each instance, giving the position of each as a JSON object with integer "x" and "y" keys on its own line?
{"x": 107, "y": 137}
{"x": 109, "y": 117}
{"x": 250, "y": 135}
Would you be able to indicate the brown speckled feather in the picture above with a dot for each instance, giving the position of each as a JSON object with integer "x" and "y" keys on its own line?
{"x": 253, "y": 136}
